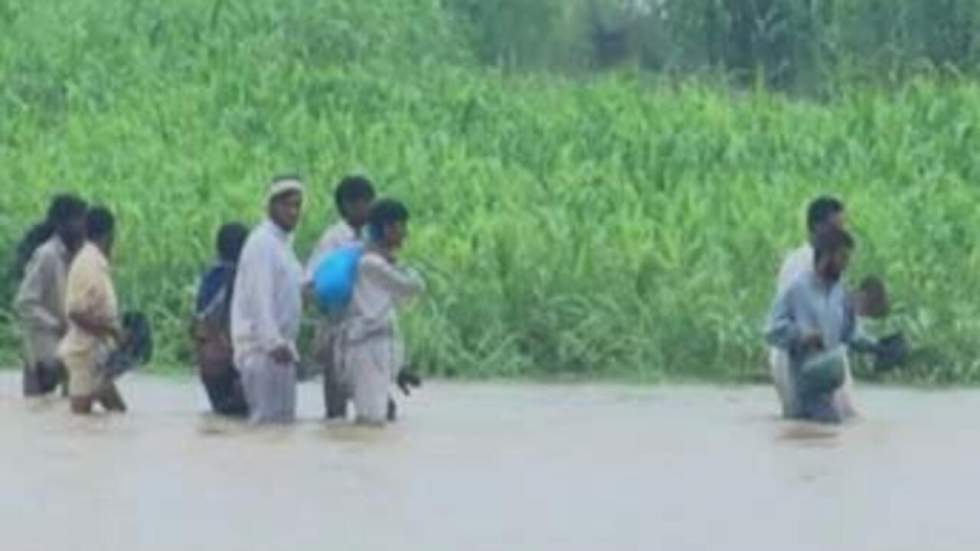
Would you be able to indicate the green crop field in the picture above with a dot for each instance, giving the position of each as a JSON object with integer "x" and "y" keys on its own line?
{"x": 617, "y": 224}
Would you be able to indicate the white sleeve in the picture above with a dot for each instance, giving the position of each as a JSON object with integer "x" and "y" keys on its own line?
{"x": 257, "y": 287}
{"x": 401, "y": 282}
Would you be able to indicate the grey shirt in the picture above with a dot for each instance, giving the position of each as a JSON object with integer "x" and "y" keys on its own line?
{"x": 809, "y": 305}
{"x": 40, "y": 301}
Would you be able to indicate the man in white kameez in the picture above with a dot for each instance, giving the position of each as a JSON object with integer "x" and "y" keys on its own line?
{"x": 822, "y": 214}
{"x": 369, "y": 350}
{"x": 267, "y": 308}
{"x": 353, "y": 198}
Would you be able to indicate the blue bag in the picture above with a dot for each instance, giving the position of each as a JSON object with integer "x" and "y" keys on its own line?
{"x": 334, "y": 279}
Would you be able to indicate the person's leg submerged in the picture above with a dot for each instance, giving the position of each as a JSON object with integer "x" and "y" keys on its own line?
{"x": 782, "y": 380}
{"x": 820, "y": 409}
{"x": 334, "y": 397}
{"x": 83, "y": 381}
{"x": 214, "y": 389}
{"x": 235, "y": 405}
{"x": 225, "y": 393}
{"x": 844, "y": 396}
{"x": 31, "y": 384}
{"x": 270, "y": 390}
{"x": 371, "y": 390}
{"x": 110, "y": 398}
{"x": 81, "y": 405}
{"x": 392, "y": 410}
{"x": 286, "y": 378}
{"x": 252, "y": 387}
{"x": 50, "y": 375}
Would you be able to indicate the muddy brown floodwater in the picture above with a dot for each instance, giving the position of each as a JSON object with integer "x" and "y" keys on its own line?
{"x": 494, "y": 466}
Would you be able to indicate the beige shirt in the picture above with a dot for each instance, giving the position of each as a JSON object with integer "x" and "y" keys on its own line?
{"x": 89, "y": 290}
{"x": 40, "y": 301}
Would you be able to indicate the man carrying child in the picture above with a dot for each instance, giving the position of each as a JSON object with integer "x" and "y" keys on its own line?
{"x": 814, "y": 322}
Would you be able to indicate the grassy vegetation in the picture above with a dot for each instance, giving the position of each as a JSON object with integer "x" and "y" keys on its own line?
{"x": 614, "y": 226}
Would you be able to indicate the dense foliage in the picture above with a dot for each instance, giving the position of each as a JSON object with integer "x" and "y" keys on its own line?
{"x": 622, "y": 225}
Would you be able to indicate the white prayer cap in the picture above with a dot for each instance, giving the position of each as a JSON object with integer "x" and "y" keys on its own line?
{"x": 281, "y": 186}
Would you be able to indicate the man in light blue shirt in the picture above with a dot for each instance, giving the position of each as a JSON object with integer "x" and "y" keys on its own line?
{"x": 814, "y": 314}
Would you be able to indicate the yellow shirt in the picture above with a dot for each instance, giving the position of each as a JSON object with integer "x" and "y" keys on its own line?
{"x": 89, "y": 290}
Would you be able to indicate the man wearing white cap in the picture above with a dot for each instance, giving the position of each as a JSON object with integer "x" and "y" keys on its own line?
{"x": 267, "y": 307}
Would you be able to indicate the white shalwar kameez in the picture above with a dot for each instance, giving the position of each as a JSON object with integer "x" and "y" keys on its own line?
{"x": 265, "y": 315}
{"x": 369, "y": 351}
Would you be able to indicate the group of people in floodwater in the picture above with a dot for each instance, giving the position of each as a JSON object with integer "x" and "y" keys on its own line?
{"x": 247, "y": 314}
{"x": 250, "y": 305}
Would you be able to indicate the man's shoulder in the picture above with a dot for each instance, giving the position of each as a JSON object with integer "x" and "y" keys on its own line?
{"x": 803, "y": 253}
{"x": 50, "y": 252}
{"x": 87, "y": 267}
{"x": 259, "y": 237}
{"x": 334, "y": 237}
{"x": 51, "y": 247}
{"x": 803, "y": 283}
{"x": 337, "y": 234}
{"x": 797, "y": 262}
{"x": 340, "y": 228}
{"x": 88, "y": 257}
{"x": 218, "y": 276}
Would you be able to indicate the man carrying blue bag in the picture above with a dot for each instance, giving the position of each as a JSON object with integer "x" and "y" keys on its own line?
{"x": 360, "y": 289}
{"x": 353, "y": 198}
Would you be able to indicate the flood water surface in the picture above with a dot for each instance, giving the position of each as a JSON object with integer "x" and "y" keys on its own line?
{"x": 494, "y": 466}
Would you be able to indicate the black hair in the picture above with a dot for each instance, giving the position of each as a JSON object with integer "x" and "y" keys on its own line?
{"x": 384, "y": 213}
{"x": 65, "y": 207}
{"x": 62, "y": 209}
{"x": 831, "y": 241}
{"x": 230, "y": 241}
{"x": 99, "y": 223}
{"x": 821, "y": 210}
{"x": 351, "y": 189}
